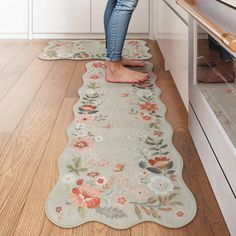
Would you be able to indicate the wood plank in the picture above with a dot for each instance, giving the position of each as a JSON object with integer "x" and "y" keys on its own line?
{"x": 19, "y": 63}
{"x": 3, "y": 43}
{"x": 9, "y": 50}
{"x": 22, "y": 155}
{"x": 47, "y": 175}
{"x": 25, "y": 88}
{"x": 76, "y": 82}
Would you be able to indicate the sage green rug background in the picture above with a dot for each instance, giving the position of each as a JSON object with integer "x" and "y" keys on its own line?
{"x": 120, "y": 166}
{"x": 91, "y": 49}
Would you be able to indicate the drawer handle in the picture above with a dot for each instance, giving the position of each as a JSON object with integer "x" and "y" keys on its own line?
{"x": 227, "y": 38}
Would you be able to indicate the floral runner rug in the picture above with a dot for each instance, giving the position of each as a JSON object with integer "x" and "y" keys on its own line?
{"x": 120, "y": 167}
{"x": 91, "y": 49}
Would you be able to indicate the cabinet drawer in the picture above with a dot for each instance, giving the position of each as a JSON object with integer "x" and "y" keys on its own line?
{"x": 172, "y": 36}
{"x": 178, "y": 9}
{"x": 14, "y": 16}
{"x": 219, "y": 140}
{"x": 61, "y": 16}
{"x": 219, "y": 184}
{"x": 139, "y": 22}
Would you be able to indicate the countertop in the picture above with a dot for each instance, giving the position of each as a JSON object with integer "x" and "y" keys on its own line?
{"x": 216, "y": 16}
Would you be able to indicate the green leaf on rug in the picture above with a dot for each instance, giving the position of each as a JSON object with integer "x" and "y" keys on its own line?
{"x": 152, "y": 200}
{"x": 93, "y": 85}
{"x": 81, "y": 212}
{"x": 169, "y": 165}
{"x": 138, "y": 212}
{"x": 154, "y": 170}
{"x": 175, "y": 203}
{"x": 142, "y": 164}
{"x": 77, "y": 161}
{"x": 154, "y": 213}
{"x": 76, "y": 167}
{"x": 111, "y": 212}
{"x": 171, "y": 196}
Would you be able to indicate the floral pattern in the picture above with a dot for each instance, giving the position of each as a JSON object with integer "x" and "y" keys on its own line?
{"x": 91, "y": 49}
{"x": 120, "y": 166}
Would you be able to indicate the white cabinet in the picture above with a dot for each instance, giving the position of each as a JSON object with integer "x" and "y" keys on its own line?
{"x": 139, "y": 22}
{"x": 14, "y": 16}
{"x": 171, "y": 33}
{"x": 61, "y": 16}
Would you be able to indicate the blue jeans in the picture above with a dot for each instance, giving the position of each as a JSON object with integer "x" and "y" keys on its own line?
{"x": 116, "y": 22}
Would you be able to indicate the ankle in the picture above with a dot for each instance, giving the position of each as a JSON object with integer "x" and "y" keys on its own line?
{"x": 113, "y": 65}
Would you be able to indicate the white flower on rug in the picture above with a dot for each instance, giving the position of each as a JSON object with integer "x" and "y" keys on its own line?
{"x": 81, "y": 134}
{"x": 69, "y": 178}
{"x": 64, "y": 54}
{"x": 144, "y": 93}
{"x": 80, "y": 126}
{"x": 98, "y": 138}
{"x": 160, "y": 185}
{"x": 90, "y": 92}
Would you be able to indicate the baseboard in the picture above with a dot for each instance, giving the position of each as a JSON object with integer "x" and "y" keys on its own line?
{"x": 14, "y": 36}
{"x": 67, "y": 36}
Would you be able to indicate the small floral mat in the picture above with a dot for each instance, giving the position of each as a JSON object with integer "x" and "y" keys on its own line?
{"x": 91, "y": 49}
{"x": 120, "y": 167}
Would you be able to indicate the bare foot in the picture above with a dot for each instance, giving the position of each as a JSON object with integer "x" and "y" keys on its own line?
{"x": 129, "y": 62}
{"x": 117, "y": 73}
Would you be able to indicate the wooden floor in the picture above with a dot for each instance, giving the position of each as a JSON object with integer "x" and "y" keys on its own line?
{"x": 36, "y": 100}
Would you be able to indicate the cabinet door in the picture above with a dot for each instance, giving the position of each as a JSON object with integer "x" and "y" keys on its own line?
{"x": 139, "y": 22}
{"x": 14, "y": 16}
{"x": 61, "y": 16}
{"x": 171, "y": 33}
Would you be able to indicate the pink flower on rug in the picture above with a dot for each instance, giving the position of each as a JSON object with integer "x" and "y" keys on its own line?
{"x": 108, "y": 126}
{"x": 98, "y": 65}
{"x": 100, "y": 181}
{"x": 79, "y": 181}
{"x": 85, "y": 196}
{"x": 124, "y": 95}
{"x": 122, "y": 200}
{"x": 80, "y": 143}
{"x": 132, "y": 43}
{"x": 88, "y": 107}
{"x": 102, "y": 163}
{"x": 85, "y": 118}
{"x": 94, "y": 77}
{"x": 227, "y": 90}
{"x": 148, "y": 106}
{"x": 147, "y": 118}
{"x": 144, "y": 84}
{"x": 179, "y": 214}
{"x": 58, "y": 209}
{"x": 159, "y": 162}
{"x": 83, "y": 55}
{"x": 119, "y": 167}
{"x": 158, "y": 133}
{"x": 173, "y": 177}
{"x": 93, "y": 174}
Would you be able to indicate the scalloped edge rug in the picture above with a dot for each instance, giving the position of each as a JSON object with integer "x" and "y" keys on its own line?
{"x": 120, "y": 167}
{"x": 91, "y": 49}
